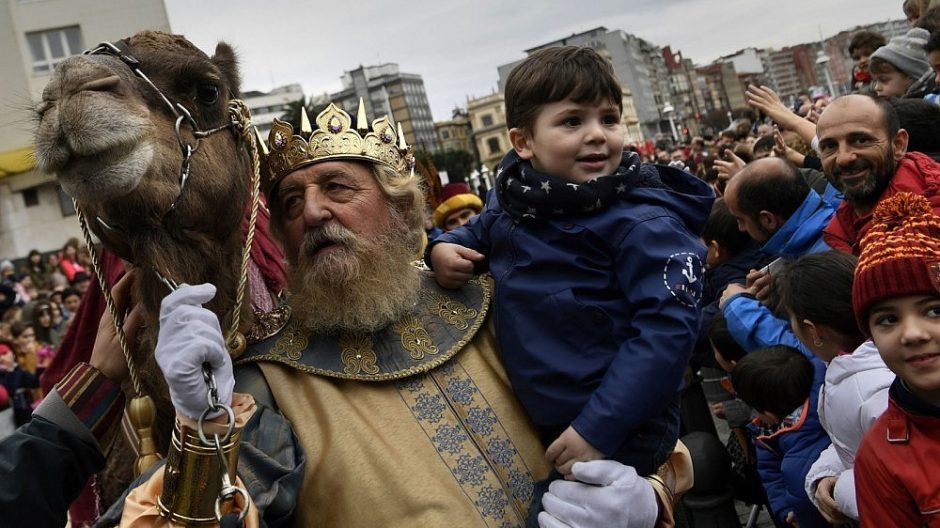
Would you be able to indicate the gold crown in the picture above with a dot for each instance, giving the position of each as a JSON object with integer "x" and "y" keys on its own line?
{"x": 334, "y": 138}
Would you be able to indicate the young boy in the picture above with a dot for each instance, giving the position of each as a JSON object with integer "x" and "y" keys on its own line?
{"x": 782, "y": 385}
{"x": 597, "y": 263}
{"x": 899, "y": 67}
{"x": 896, "y": 297}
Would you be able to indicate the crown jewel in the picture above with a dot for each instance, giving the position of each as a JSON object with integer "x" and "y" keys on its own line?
{"x": 335, "y": 138}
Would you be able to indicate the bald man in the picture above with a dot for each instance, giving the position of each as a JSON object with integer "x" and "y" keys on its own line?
{"x": 864, "y": 154}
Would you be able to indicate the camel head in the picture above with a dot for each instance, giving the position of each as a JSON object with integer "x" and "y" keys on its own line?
{"x": 111, "y": 139}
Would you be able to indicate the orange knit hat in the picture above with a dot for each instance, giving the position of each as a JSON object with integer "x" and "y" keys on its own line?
{"x": 900, "y": 254}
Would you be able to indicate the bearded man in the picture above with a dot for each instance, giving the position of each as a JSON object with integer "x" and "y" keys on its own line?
{"x": 864, "y": 154}
{"x": 381, "y": 398}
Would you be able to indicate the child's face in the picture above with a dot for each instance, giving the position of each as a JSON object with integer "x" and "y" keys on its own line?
{"x": 577, "y": 142}
{"x": 71, "y": 302}
{"x": 906, "y": 331}
{"x": 892, "y": 84}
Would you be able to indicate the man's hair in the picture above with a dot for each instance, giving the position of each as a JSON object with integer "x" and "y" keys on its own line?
{"x": 553, "y": 74}
{"x": 866, "y": 41}
{"x": 818, "y": 287}
{"x": 722, "y": 340}
{"x": 780, "y": 191}
{"x": 763, "y": 143}
{"x": 775, "y": 379}
{"x": 921, "y": 120}
{"x": 722, "y": 227}
{"x": 403, "y": 192}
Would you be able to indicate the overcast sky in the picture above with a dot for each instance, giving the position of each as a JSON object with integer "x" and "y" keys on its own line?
{"x": 457, "y": 45}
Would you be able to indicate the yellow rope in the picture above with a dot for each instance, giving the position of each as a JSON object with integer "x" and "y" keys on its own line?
{"x": 242, "y": 120}
{"x": 109, "y": 300}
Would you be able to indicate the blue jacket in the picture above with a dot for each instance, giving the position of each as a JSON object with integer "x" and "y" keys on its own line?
{"x": 785, "y": 456}
{"x": 751, "y": 323}
{"x": 596, "y": 315}
{"x": 801, "y": 234}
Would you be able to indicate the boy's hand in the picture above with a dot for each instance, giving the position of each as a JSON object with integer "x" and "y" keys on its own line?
{"x": 569, "y": 448}
{"x": 791, "y": 520}
{"x": 453, "y": 264}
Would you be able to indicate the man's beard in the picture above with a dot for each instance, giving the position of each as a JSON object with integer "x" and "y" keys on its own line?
{"x": 874, "y": 186}
{"x": 361, "y": 286}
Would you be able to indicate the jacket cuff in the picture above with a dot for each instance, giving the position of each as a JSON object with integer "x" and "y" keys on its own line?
{"x": 96, "y": 401}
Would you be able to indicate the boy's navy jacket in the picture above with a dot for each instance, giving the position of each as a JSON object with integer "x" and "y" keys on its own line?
{"x": 785, "y": 456}
{"x": 597, "y": 314}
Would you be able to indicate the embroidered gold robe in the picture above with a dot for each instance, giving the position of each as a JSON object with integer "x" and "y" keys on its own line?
{"x": 415, "y": 425}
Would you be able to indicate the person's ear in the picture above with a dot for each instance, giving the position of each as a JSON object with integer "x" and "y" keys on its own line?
{"x": 521, "y": 142}
{"x": 816, "y": 332}
{"x": 769, "y": 221}
{"x": 899, "y": 142}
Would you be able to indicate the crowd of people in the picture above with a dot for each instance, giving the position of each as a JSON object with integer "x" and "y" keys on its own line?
{"x": 538, "y": 368}
{"x": 37, "y": 303}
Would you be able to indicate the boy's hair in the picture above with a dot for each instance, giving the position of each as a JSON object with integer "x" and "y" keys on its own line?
{"x": 722, "y": 227}
{"x": 765, "y": 143}
{"x": 721, "y": 339}
{"x": 775, "y": 379}
{"x": 921, "y": 119}
{"x": 930, "y": 20}
{"x": 879, "y": 65}
{"x": 933, "y": 43}
{"x": 818, "y": 287}
{"x": 866, "y": 41}
{"x": 553, "y": 74}
{"x": 68, "y": 292}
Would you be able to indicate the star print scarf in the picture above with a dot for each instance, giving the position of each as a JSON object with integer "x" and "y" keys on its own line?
{"x": 527, "y": 194}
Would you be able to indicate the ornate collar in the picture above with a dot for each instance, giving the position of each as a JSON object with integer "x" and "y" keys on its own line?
{"x": 439, "y": 326}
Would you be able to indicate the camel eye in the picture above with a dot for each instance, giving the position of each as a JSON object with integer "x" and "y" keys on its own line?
{"x": 207, "y": 92}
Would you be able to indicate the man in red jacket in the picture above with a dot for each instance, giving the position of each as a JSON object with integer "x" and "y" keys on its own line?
{"x": 864, "y": 154}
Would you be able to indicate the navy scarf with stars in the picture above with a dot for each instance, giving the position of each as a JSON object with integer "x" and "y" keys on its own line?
{"x": 527, "y": 194}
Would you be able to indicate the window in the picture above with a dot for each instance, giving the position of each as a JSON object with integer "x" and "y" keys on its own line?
{"x": 493, "y": 143}
{"x": 487, "y": 120}
{"x": 66, "y": 204}
{"x": 51, "y": 47}
{"x": 445, "y": 134}
{"x": 31, "y": 197}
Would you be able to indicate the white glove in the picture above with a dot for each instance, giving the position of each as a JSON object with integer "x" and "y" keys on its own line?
{"x": 609, "y": 494}
{"x": 190, "y": 336}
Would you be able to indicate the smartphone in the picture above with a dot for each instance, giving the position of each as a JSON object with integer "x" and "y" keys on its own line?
{"x": 776, "y": 266}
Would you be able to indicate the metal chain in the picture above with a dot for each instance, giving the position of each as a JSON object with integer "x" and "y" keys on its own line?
{"x": 228, "y": 491}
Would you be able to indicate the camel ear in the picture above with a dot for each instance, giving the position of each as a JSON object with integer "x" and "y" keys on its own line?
{"x": 227, "y": 62}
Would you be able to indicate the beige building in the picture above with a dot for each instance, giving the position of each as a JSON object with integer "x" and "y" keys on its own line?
{"x": 35, "y": 36}
{"x": 632, "y": 133}
{"x": 488, "y": 121}
{"x": 456, "y": 134}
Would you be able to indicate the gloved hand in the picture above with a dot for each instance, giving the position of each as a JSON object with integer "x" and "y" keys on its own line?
{"x": 609, "y": 494}
{"x": 190, "y": 336}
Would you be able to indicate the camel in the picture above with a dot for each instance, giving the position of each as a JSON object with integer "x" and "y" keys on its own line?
{"x": 118, "y": 148}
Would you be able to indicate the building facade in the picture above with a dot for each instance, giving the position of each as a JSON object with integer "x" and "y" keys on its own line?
{"x": 385, "y": 90}
{"x": 456, "y": 133}
{"x": 488, "y": 121}
{"x": 266, "y": 106}
{"x": 638, "y": 64}
{"x": 36, "y": 36}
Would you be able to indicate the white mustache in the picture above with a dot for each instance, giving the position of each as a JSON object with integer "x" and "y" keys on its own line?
{"x": 332, "y": 233}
